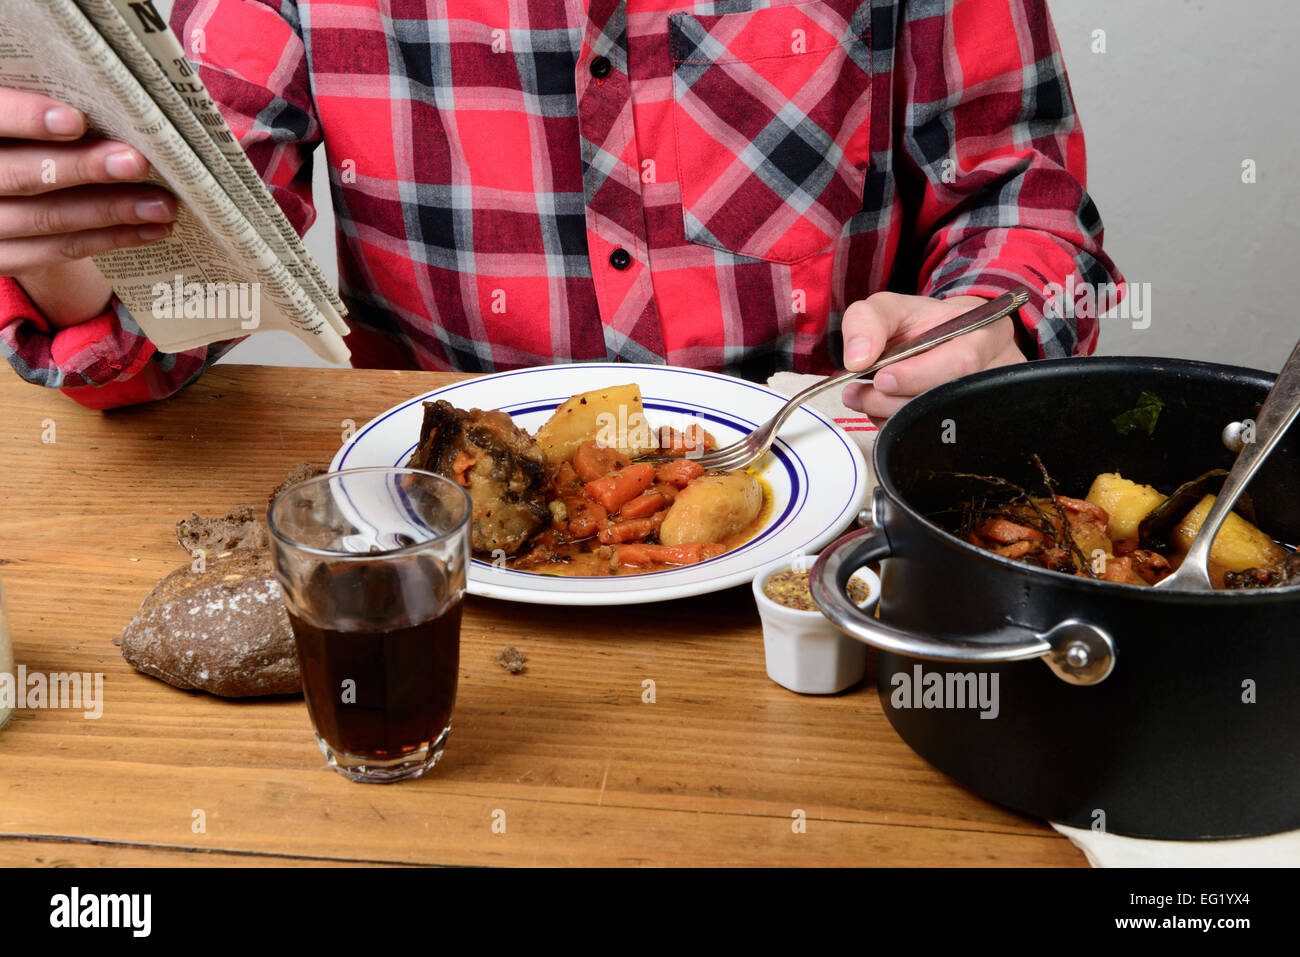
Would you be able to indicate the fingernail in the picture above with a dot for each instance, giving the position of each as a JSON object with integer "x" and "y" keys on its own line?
{"x": 857, "y": 351}
{"x": 123, "y": 166}
{"x": 62, "y": 121}
{"x": 885, "y": 382}
{"x": 153, "y": 232}
{"x": 153, "y": 209}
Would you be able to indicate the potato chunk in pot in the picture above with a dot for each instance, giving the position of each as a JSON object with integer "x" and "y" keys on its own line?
{"x": 1238, "y": 546}
{"x": 1125, "y": 501}
{"x": 711, "y": 508}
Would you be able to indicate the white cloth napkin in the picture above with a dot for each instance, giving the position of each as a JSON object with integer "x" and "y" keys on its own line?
{"x": 1111, "y": 850}
{"x": 1101, "y": 849}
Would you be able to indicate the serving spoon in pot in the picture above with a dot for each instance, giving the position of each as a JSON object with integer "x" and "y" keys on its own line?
{"x": 754, "y": 446}
{"x": 1281, "y": 408}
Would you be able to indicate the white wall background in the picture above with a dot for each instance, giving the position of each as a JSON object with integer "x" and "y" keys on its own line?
{"x": 1185, "y": 92}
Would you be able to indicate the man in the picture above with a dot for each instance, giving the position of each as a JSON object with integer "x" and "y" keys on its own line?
{"x": 727, "y": 185}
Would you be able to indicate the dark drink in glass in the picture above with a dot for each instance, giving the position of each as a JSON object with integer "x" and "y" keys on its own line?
{"x": 374, "y": 595}
{"x": 381, "y": 695}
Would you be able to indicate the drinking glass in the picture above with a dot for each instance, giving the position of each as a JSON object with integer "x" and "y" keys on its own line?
{"x": 372, "y": 563}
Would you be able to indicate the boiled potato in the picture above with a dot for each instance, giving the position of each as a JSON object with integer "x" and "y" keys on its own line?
{"x": 711, "y": 508}
{"x": 1238, "y": 546}
{"x": 1125, "y": 501}
{"x": 613, "y": 417}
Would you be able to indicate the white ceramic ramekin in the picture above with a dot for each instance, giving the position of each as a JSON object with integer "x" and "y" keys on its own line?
{"x": 804, "y": 651}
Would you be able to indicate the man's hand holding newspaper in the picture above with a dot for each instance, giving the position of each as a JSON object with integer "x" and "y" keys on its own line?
{"x": 65, "y": 197}
{"x": 97, "y": 94}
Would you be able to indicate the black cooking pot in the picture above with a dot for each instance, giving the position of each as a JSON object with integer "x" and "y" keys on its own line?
{"x": 1152, "y": 713}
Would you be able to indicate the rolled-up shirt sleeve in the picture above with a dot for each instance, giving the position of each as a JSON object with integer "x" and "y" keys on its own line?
{"x": 996, "y": 155}
{"x": 101, "y": 363}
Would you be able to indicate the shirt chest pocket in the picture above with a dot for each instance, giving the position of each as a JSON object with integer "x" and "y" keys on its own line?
{"x": 771, "y": 112}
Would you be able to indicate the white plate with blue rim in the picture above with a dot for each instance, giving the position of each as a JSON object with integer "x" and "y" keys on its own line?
{"x": 816, "y": 474}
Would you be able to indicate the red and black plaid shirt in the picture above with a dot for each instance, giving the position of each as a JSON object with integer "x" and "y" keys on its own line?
{"x": 704, "y": 184}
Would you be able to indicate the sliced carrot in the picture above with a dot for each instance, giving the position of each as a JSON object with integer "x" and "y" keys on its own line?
{"x": 679, "y": 472}
{"x": 647, "y": 503}
{"x": 667, "y": 491}
{"x": 693, "y": 439}
{"x": 616, "y": 488}
{"x": 689, "y": 554}
{"x": 630, "y": 530}
{"x": 564, "y": 477}
{"x": 593, "y": 460}
{"x": 585, "y": 517}
{"x": 698, "y": 440}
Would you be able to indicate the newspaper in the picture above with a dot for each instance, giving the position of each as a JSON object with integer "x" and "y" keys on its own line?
{"x": 146, "y": 45}
{"x": 233, "y": 264}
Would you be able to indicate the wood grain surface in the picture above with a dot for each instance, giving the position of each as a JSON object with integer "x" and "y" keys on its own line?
{"x": 581, "y": 770}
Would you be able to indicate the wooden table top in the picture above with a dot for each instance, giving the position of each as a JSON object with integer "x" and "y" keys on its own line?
{"x": 567, "y": 755}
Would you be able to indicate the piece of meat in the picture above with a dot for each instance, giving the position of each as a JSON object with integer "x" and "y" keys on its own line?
{"x": 500, "y": 465}
{"x": 1001, "y": 530}
{"x": 1121, "y": 570}
{"x": 1150, "y": 566}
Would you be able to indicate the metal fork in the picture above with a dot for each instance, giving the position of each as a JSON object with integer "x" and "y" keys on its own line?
{"x": 753, "y": 446}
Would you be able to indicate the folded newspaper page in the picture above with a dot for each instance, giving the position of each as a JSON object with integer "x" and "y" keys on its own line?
{"x": 218, "y": 275}
{"x": 142, "y": 39}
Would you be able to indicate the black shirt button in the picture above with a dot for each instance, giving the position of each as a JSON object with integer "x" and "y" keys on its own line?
{"x": 600, "y": 67}
{"x": 620, "y": 258}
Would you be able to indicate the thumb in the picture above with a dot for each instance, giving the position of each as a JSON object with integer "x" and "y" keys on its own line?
{"x": 869, "y": 324}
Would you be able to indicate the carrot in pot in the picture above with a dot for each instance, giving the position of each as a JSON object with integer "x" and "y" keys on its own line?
{"x": 689, "y": 554}
{"x": 666, "y": 490}
{"x": 679, "y": 472}
{"x": 693, "y": 439}
{"x": 647, "y": 503}
{"x": 630, "y": 530}
{"x": 593, "y": 460}
{"x": 617, "y": 488}
{"x": 585, "y": 517}
{"x": 564, "y": 477}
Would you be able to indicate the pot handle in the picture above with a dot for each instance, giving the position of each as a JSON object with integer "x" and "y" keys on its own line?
{"x": 1077, "y": 651}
